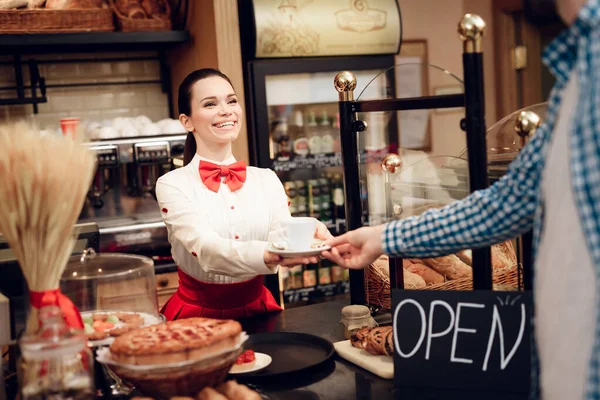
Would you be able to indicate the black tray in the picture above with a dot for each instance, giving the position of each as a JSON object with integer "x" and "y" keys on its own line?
{"x": 290, "y": 352}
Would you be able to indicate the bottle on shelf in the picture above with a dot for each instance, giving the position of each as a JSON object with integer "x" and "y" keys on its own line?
{"x": 310, "y": 275}
{"x": 281, "y": 137}
{"x": 327, "y": 142}
{"x": 300, "y": 145}
{"x": 326, "y": 214}
{"x": 302, "y": 199}
{"x": 314, "y": 137}
{"x": 337, "y": 146}
{"x": 339, "y": 207}
{"x": 314, "y": 198}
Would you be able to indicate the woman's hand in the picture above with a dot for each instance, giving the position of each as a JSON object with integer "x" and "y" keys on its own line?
{"x": 355, "y": 249}
{"x": 322, "y": 232}
{"x": 272, "y": 260}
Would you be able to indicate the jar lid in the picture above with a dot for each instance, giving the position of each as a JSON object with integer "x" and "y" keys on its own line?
{"x": 355, "y": 312}
{"x": 91, "y": 265}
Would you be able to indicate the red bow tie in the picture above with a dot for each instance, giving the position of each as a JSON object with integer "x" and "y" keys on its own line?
{"x": 235, "y": 175}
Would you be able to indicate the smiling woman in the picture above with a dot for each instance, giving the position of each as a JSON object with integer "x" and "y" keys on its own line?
{"x": 220, "y": 214}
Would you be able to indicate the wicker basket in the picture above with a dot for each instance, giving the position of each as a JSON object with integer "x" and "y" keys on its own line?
{"x": 164, "y": 383}
{"x": 377, "y": 285}
{"x": 56, "y": 21}
{"x": 126, "y": 24}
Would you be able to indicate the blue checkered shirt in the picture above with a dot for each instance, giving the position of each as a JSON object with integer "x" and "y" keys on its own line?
{"x": 514, "y": 204}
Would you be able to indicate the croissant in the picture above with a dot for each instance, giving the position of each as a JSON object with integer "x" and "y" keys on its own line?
{"x": 376, "y": 341}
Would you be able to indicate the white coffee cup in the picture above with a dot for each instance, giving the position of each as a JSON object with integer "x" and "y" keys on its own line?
{"x": 297, "y": 233}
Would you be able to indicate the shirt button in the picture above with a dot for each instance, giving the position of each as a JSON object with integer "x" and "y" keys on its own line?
{"x": 237, "y": 236}
{"x": 232, "y": 207}
{"x": 194, "y": 254}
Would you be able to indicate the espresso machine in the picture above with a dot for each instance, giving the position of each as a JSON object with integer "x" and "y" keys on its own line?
{"x": 122, "y": 200}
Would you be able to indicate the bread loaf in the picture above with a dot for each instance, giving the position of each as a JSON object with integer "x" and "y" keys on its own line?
{"x": 130, "y": 8}
{"x": 504, "y": 256}
{"x": 73, "y": 4}
{"x": 466, "y": 256}
{"x": 154, "y": 8}
{"x": 413, "y": 281}
{"x": 450, "y": 266}
{"x": 429, "y": 275}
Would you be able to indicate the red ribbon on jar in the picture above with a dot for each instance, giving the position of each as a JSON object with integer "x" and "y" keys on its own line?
{"x": 56, "y": 298}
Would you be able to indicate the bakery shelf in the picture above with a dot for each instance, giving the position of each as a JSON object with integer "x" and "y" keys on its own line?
{"x": 90, "y": 41}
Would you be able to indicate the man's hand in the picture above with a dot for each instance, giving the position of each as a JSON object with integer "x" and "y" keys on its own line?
{"x": 355, "y": 249}
{"x": 322, "y": 232}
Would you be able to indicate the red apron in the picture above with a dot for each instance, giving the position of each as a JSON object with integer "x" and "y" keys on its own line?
{"x": 222, "y": 301}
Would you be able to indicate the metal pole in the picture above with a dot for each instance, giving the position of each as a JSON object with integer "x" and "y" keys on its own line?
{"x": 345, "y": 83}
{"x": 471, "y": 29}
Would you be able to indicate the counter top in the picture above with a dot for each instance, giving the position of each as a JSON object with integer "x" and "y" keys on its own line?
{"x": 339, "y": 379}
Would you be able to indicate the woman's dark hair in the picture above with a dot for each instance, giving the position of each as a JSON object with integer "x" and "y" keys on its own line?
{"x": 184, "y": 103}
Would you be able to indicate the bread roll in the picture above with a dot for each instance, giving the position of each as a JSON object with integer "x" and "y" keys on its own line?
{"x": 154, "y": 8}
{"x": 466, "y": 256}
{"x": 430, "y": 276}
{"x": 130, "y": 8}
{"x": 209, "y": 393}
{"x": 413, "y": 281}
{"x": 450, "y": 266}
{"x": 233, "y": 390}
{"x": 504, "y": 256}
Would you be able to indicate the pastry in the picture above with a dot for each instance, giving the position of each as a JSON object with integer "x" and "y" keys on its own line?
{"x": 98, "y": 335}
{"x": 359, "y": 337}
{"x": 430, "y": 276}
{"x": 175, "y": 341}
{"x": 100, "y": 317}
{"x": 118, "y": 331}
{"x": 130, "y": 8}
{"x": 233, "y": 390}
{"x": 126, "y": 316}
{"x": 376, "y": 340}
{"x": 389, "y": 343}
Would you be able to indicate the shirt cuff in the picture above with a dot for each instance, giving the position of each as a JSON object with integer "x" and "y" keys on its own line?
{"x": 390, "y": 242}
{"x": 257, "y": 255}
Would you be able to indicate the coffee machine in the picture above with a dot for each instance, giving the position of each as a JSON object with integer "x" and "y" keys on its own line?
{"x": 122, "y": 200}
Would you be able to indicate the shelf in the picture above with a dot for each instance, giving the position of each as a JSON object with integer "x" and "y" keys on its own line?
{"x": 292, "y": 296}
{"x": 90, "y": 42}
{"x": 309, "y": 162}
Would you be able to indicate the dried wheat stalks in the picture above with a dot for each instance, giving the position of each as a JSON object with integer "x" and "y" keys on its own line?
{"x": 43, "y": 184}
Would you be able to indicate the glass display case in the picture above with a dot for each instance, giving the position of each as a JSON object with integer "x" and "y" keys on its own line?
{"x": 113, "y": 292}
{"x": 429, "y": 170}
{"x": 506, "y": 137}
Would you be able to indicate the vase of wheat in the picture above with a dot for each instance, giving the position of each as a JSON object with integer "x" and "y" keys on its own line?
{"x": 45, "y": 179}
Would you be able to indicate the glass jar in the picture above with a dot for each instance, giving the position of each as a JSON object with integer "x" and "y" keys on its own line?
{"x": 355, "y": 318}
{"x": 55, "y": 361}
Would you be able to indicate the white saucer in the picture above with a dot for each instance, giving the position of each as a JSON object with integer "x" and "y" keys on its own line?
{"x": 299, "y": 253}
{"x": 262, "y": 361}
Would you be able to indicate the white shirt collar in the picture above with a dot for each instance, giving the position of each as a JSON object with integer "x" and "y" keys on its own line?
{"x": 197, "y": 158}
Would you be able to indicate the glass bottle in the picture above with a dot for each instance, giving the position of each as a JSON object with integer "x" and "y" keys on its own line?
{"x": 56, "y": 363}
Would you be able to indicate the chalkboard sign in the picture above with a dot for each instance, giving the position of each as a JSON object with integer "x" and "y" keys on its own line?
{"x": 467, "y": 340}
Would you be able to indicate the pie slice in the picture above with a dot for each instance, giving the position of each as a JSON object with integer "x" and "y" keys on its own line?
{"x": 175, "y": 341}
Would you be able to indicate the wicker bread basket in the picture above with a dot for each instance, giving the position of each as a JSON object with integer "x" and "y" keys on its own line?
{"x": 164, "y": 383}
{"x": 377, "y": 284}
{"x": 56, "y": 21}
{"x": 126, "y": 24}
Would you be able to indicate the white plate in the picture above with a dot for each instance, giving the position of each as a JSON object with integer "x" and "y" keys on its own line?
{"x": 300, "y": 253}
{"x": 148, "y": 320}
{"x": 262, "y": 361}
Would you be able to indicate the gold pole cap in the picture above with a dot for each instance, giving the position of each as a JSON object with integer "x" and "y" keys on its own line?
{"x": 527, "y": 123}
{"x": 471, "y": 27}
{"x": 391, "y": 163}
{"x": 345, "y": 81}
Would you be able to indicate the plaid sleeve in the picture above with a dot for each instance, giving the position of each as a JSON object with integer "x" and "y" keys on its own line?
{"x": 502, "y": 211}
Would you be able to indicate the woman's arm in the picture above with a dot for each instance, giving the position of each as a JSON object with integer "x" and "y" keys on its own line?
{"x": 218, "y": 255}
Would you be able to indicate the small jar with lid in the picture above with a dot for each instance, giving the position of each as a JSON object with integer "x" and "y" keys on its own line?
{"x": 356, "y": 317}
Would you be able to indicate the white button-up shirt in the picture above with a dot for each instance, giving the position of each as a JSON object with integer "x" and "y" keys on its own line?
{"x": 221, "y": 237}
